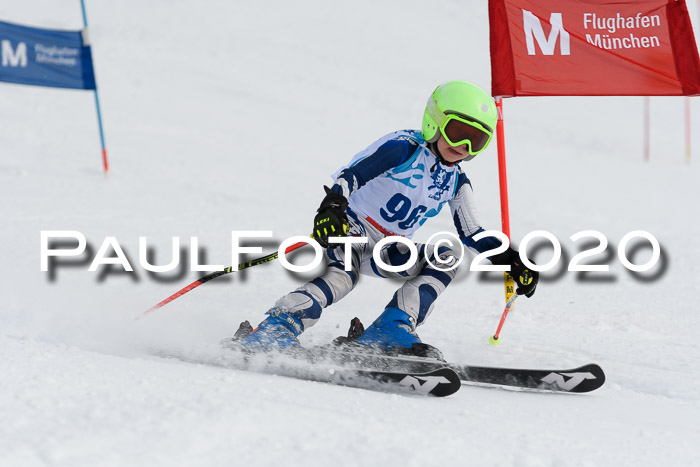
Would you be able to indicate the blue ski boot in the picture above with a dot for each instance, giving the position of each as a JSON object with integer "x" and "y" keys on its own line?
{"x": 394, "y": 332}
{"x": 277, "y": 332}
{"x": 393, "y": 328}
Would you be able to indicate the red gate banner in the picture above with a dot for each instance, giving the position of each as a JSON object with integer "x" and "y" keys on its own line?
{"x": 592, "y": 48}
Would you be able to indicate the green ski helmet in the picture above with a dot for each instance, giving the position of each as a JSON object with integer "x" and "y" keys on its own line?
{"x": 463, "y": 113}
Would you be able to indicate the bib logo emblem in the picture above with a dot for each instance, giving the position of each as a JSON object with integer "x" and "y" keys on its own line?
{"x": 441, "y": 181}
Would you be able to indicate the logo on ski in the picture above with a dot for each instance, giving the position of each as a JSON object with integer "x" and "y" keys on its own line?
{"x": 574, "y": 379}
{"x": 423, "y": 384}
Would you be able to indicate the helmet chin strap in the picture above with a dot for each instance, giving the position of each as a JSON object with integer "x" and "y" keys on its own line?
{"x": 434, "y": 149}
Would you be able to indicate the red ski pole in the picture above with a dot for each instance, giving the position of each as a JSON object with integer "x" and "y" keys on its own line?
{"x": 493, "y": 340}
{"x": 215, "y": 274}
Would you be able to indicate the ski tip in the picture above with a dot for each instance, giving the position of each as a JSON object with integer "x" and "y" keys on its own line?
{"x": 585, "y": 378}
{"x": 440, "y": 382}
{"x": 453, "y": 386}
{"x": 599, "y": 374}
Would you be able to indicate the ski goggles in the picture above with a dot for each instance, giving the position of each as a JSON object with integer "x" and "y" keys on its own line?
{"x": 458, "y": 130}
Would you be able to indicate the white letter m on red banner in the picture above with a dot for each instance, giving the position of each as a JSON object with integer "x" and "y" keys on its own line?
{"x": 532, "y": 25}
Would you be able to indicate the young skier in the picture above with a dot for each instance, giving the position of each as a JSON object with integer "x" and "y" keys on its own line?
{"x": 391, "y": 189}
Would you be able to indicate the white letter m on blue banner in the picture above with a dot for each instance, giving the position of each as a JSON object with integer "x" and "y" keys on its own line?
{"x": 12, "y": 57}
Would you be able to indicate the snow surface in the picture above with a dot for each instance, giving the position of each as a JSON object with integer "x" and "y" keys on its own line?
{"x": 224, "y": 116}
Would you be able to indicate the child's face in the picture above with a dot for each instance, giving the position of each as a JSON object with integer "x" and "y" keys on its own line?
{"x": 450, "y": 153}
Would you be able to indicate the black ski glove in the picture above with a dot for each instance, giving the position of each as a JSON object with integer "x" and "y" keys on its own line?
{"x": 331, "y": 220}
{"x": 525, "y": 278}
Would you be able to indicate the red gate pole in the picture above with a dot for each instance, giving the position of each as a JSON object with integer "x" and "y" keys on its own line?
{"x": 502, "y": 178}
{"x": 647, "y": 129}
{"x": 687, "y": 129}
{"x": 505, "y": 215}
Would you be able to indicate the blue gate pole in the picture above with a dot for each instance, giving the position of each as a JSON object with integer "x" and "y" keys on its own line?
{"x": 97, "y": 104}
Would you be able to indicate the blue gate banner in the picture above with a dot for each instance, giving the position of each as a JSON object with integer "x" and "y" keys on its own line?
{"x": 45, "y": 57}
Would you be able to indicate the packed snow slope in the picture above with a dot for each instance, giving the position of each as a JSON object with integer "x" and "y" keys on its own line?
{"x": 224, "y": 116}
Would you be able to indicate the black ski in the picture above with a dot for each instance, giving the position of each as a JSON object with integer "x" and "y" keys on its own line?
{"x": 586, "y": 378}
{"x": 421, "y": 369}
{"x": 301, "y": 363}
{"x": 440, "y": 382}
{"x": 582, "y": 379}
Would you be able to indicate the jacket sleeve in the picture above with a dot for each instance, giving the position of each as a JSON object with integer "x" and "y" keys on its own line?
{"x": 465, "y": 217}
{"x": 389, "y": 155}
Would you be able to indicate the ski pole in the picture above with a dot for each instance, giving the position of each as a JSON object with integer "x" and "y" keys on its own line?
{"x": 215, "y": 274}
{"x": 493, "y": 340}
